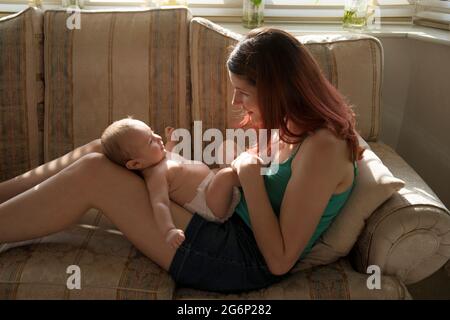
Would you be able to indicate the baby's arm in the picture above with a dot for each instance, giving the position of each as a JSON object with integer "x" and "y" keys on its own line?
{"x": 158, "y": 189}
{"x": 219, "y": 193}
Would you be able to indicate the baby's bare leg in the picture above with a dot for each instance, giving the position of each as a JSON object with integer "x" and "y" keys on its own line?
{"x": 220, "y": 191}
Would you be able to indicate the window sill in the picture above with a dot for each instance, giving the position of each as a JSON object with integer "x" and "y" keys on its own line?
{"x": 297, "y": 28}
{"x": 386, "y": 31}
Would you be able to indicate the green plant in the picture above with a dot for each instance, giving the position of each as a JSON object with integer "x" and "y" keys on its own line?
{"x": 349, "y": 15}
{"x": 351, "y": 18}
{"x": 256, "y": 2}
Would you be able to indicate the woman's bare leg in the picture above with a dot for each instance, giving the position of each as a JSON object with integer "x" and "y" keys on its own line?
{"x": 25, "y": 181}
{"x": 92, "y": 181}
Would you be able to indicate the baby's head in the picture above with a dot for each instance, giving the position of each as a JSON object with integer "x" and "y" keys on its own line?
{"x": 133, "y": 144}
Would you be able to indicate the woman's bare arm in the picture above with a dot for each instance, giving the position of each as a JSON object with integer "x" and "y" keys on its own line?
{"x": 313, "y": 181}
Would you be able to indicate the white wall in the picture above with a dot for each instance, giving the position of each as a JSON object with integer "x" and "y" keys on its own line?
{"x": 416, "y": 108}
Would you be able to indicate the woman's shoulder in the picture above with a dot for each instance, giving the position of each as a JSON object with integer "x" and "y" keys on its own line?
{"x": 322, "y": 159}
{"x": 323, "y": 140}
{"x": 324, "y": 135}
{"x": 323, "y": 144}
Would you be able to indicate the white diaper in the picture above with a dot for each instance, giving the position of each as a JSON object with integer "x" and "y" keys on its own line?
{"x": 198, "y": 204}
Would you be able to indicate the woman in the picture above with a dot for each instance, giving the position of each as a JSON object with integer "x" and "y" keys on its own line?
{"x": 278, "y": 85}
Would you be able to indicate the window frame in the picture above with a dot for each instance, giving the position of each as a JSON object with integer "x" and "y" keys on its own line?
{"x": 275, "y": 10}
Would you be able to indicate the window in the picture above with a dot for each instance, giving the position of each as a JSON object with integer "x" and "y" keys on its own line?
{"x": 433, "y": 13}
{"x": 310, "y": 11}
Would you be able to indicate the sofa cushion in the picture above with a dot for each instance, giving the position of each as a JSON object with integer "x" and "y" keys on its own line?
{"x": 334, "y": 281}
{"x": 117, "y": 64}
{"x": 374, "y": 185}
{"x": 110, "y": 266}
{"x": 212, "y": 91}
{"x": 21, "y": 92}
{"x": 353, "y": 63}
{"x": 417, "y": 191}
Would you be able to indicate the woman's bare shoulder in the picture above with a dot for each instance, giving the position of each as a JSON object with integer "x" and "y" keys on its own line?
{"x": 325, "y": 136}
{"x": 323, "y": 141}
{"x": 325, "y": 145}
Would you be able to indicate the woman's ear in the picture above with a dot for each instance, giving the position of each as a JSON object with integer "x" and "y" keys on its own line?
{"x": 133, "y": 164}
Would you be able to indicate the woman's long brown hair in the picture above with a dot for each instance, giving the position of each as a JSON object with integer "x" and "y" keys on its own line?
{"x": 291, "y": 86}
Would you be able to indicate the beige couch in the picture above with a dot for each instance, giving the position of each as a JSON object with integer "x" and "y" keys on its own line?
{"x": 60, "y": 88}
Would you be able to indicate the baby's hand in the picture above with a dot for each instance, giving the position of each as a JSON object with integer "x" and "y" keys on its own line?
{"x": 175, "y": 237}
{"x": 170, "y": 143}
{"x": 168, "y": 132}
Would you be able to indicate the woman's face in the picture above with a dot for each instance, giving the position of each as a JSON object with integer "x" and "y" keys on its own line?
{"x": 245, "y": 97}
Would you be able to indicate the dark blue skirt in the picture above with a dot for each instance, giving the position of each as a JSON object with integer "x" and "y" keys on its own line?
{"x": 220, "y": 257}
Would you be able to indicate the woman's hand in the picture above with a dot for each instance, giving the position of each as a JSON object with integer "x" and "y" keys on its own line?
{"x": 247, "y": 165}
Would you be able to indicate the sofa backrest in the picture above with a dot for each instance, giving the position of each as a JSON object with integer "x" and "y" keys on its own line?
{"x": 21, "y": 92}
{"x": 211, "y": 90}
{"x": 353, "y": 63}
{"x": 159, "y": 65}
{"x": 116, "y": 64}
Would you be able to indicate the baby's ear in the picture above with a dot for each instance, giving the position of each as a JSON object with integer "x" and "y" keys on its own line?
{"x": 133, "y": 164}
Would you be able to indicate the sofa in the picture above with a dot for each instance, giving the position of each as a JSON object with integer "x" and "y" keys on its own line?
{"x": 60, "y": 87}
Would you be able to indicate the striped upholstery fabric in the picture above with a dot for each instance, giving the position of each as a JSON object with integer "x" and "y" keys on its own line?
{"x": 21, "y": 92}
{"x": 117, "y": 64}
{"x": 211, "y": 89}
{"x": 337, "y": 281}
{"x": 352, "y": 63}
{"x": 111, "y": 267}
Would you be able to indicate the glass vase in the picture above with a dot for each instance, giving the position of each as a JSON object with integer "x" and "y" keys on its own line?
{"x": 73, "y": 3}
{"x": 161, "y": 3}
{"x": 253, "y": 13}
{"x": 355, "y": 14}
{"x": 35, "y": 3}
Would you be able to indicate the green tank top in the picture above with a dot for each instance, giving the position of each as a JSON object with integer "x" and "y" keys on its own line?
{"x": 276, "y": 184}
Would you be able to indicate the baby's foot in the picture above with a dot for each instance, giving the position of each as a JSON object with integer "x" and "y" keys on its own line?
{"x": 175, "y": 237}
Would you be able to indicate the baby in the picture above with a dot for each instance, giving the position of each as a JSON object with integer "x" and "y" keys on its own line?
{"x": 192, "y": 184}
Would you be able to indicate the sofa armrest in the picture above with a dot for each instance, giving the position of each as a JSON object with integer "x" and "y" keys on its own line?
{"x": 410, "y": 241}
{"x": 409, "y": 235}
